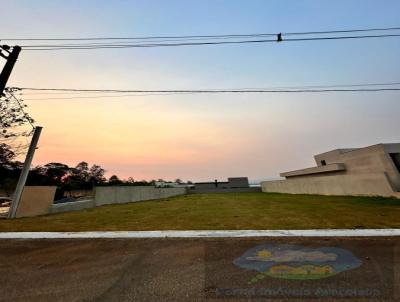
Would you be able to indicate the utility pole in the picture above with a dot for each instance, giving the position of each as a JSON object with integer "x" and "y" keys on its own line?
{"x": 8, "y": 67}
{"x": 24, "y": 173}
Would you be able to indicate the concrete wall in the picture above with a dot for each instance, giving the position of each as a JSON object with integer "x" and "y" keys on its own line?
{"x": 124, "y": 194}
{"x": 78, "y": 193}
{"x": 71, "y": 206}
{"x": 376, "y": 184}
{"x": 233, "y": 182}
{"x": 211, "y": 185}
{"x": 223, "y": 190}
{"x": 35, "y": 201}
{"x": 238, "y": 182}
{"x": 39, "y": 200}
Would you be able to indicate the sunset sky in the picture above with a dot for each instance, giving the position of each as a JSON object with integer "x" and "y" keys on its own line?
{"x": 206, "y": 136}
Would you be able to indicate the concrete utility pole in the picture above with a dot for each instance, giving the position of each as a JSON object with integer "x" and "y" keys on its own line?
{"x": 8, "y": 67}
{"x": 24, "y": 173}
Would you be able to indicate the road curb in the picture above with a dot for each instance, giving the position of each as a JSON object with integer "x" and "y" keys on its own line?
{"x": 205, "y": 234}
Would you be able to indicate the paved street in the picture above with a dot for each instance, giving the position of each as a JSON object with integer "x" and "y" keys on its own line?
{"x": 237, "y": 269}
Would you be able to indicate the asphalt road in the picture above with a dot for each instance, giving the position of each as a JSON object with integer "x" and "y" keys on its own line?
{"x": 235, "y": 269}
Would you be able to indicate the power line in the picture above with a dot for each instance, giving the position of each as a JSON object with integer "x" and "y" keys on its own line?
{"x": 341, "y": 31}
{"x": 110, "y": 46}
{"x": 23, "y": 94}
{"x": 146, "y": 37}
{"x": 141, "y": 41}
{"x": 162, "y": 92}
{"x": 202, "y": 36}
{"x": 102, "y": 96}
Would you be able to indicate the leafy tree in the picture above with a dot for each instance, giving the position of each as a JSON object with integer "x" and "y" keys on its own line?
{"x": 13, "y": 119}
{"x": 78, "y": 177}
{"x": 178, "y": 181}
{"x": 96, "y": 174}
{"x": 59, "y": 174}
{"x": 114, "y": 180}
{"x": 56, "y": 172}
{"x": 142, "y": 183}
{"x": 9, "y": 170}
{"x": 81, "y": 177}
{"x": 38, "y": 177}
{"x": 6, "y": 154}
{"x": 82, "y": 169}
{"x": 13, "y": 116}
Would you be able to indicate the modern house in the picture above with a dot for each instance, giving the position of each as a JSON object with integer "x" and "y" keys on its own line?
{"x": 370, "y": 171}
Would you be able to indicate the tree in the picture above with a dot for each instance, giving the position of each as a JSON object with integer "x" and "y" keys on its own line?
{"x": 96, "y": 174}
{"x": 114, "y": 180}
{"x": 178, "y": 181}
{"x": 13, "y": 116}
{"x": 56, "y": 172}
{"x": 38, "y": 177}
{"x": 6, "y": 154}
{"x": 9, "y": 170}
{"x": 78, "y": 177}
{"x": 142, "y": 183}
{"x": 130, "y": 180}
{"x": 82, "y": 169}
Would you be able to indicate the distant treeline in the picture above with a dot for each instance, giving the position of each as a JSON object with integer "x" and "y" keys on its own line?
{"x": 80, "y": 177}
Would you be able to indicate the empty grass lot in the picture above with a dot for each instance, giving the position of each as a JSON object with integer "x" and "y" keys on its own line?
{"x": 228, "y": 211}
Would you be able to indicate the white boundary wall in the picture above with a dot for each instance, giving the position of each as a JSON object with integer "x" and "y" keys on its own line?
{"x": 125, "y": 194}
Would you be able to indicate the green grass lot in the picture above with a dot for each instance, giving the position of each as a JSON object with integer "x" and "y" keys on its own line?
{"x": 229, "y": 211}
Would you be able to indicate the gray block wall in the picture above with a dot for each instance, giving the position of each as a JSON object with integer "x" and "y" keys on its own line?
{"x": 71, "y": 206}
{"x": 117, "y": 195}
{"x": 124, "y": 194}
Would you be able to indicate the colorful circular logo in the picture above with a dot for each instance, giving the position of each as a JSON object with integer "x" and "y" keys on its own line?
{"x": 288, "y": 261}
